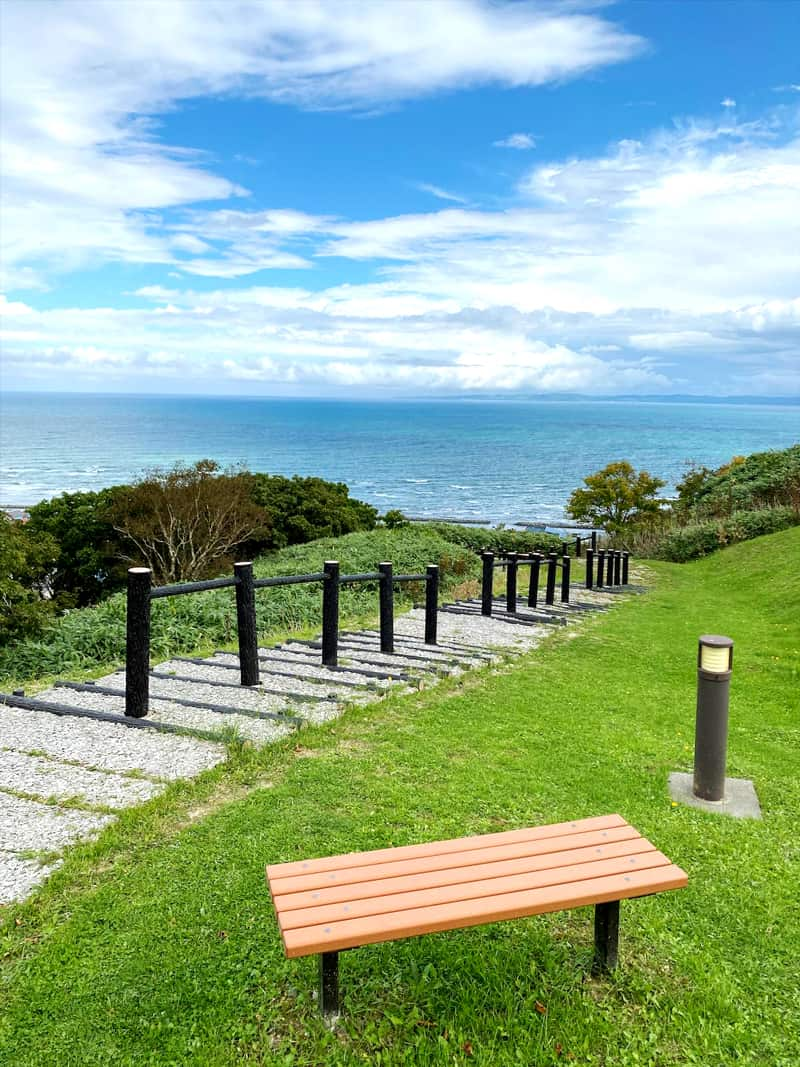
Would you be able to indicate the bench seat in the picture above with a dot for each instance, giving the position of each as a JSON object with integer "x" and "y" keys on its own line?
{"x": 340, "y": 902}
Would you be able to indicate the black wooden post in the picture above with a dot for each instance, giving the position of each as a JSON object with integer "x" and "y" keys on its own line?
{"x": 625, "y": 561}
{"x": 533, "y": 580}
{"x": 431, "y": 603}
{"x": 329, "y": 985}
{"x": 565, "y": 565}
{"x": 487, "y": 582}
{"x": 137, "y": 643}
{"x": 578, "y": 546}
{"x": 606, "y": 936}
{"x": 330, "y": 614}
{"x": 617, "y": 568}
{"x": 246, "y": 623}
{"x": 594, "y": 540}
{"x": 589, "y": 568}
{"x": 601, "y": 560}
{"x": 511, "y": 584}
{"x": 564, "y": 548}
{"x": 609, "y": 568}
{"x": 552, "y": 563}
{"x": 386, "y": 600}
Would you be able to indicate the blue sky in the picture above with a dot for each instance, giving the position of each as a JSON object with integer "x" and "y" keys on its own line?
{"x": 410, "y": 197}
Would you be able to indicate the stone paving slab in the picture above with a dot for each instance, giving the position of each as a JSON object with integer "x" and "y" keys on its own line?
{"x": 19, "y": 876}
{"x": 27, "y": 825}
{"x": 106, "y": 745}
{"x": 47, "y": 778}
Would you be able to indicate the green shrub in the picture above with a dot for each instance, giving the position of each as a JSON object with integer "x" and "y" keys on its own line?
{"x": 702, "y": 538}
{"x": 761, "y": 480}
{"x": 304, "y": 509}
{"x": 26, "y": 558}
{"x": 496, "y": 539}
{"x": 88, "y": 564}
{"x": 94, "y": 636}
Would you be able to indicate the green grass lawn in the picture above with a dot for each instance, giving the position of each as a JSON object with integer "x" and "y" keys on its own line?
{"x": 157, "y": 944}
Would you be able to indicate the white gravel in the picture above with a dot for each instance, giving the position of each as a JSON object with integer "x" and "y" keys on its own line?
{"x": 19, "y": 876}
{"x": 105, "y": 745}
{"x": 475, "y": 630}
{"x": 30, "y": 825}
{"x": 46, "y": 778}
{"x": 262, "y": 731}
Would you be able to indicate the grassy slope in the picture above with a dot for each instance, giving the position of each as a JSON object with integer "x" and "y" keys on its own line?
{"x": 157, "y": 944}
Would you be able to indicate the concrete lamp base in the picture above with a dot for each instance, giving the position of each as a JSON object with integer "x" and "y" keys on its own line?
{"x": 740, "y": 798}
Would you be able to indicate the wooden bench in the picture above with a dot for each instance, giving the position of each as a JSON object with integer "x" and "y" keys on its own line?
{"x": 340, "y": 902}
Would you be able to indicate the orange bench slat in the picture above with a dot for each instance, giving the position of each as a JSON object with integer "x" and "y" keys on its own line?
{"x": 488, "y": 851}
{"x": 349, "y": 933}
{"x": 403, "y": 852}
{"x": 477, "y": 891}
{"x": 597, "y": 847}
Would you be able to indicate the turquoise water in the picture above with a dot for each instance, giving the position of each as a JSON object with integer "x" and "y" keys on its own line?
{"x": 504, "y": 461}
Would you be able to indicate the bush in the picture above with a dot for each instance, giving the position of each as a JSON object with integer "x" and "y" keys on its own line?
{"x": 497, "y": 539}
{"x": 304, "y": 509}
{"x": 88, "y": 564}
{"x": 26, "y": 558}
{"x": 94, "y": 636}
{"x": 703, "y": 538}
{"x": 761, "y": 480}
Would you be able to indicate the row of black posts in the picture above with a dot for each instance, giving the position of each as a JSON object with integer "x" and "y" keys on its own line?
{"x": 603, "y": 568}
{"x": 141, "y": 593}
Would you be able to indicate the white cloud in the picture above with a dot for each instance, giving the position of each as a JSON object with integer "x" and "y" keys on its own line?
{"x": 439, "y": 193}
{"x": 521, "y": 141}
{"x": 81, "y": 84}
{"x": 728, "y": 102}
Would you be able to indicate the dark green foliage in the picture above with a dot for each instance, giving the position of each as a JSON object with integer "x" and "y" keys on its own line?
{"x": 496, "y": 539}
{"x": 302, "y": 509}
{"x": 394, "y": 519}
{"x": 94, "y": 636}
{"x": 88, "y": 563}
{"x": 26, "y": 559}
{"x": 616, "y": 497}
{"x": 701, "y": 538}
{"x": 761, "y": 480}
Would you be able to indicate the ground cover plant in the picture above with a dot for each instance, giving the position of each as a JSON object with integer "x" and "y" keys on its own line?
{"x": 157, "y": 944}
{"x": 94, "y": 638}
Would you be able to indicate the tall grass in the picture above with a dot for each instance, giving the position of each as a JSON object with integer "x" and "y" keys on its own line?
{"x": 95, "y": 636}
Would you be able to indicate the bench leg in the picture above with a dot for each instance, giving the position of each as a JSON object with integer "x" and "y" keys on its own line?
{"x": 606, "y": 936}
{"x": 329, "y": 986}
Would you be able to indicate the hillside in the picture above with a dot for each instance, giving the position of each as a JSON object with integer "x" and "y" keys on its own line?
{"x": 158, "y": 943}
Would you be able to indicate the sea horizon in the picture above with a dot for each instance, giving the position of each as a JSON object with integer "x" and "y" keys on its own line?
{"x": 503, "y": 460}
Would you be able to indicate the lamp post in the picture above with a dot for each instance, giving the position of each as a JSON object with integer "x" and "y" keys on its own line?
{"x": 714, "y": 668}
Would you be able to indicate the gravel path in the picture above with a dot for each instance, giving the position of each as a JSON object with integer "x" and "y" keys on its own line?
{"x": 62, "y": 777}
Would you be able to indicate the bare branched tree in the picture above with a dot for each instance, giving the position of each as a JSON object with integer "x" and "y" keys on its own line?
{"x": 184, "y": 522}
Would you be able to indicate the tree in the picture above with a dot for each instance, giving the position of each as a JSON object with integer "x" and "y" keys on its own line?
{"x": 394, "y": 519}
{"x": 183, "y": 523}
{"x": 26, "y": 558}
{"x": 616, "y": 497}
{"x": 88, "y": 564}
{"x": 303, "y": 509}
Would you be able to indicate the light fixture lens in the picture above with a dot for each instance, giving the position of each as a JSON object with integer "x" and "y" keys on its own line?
{"x": 715, "y": 659}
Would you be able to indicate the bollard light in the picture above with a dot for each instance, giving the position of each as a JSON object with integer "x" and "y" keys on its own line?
{"x": 714, "y": 668}
{"x": 715, "y": 654}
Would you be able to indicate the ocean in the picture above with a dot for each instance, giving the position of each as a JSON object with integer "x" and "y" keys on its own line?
{"x": 505, "y": 461}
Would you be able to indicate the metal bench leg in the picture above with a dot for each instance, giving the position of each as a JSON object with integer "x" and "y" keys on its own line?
{"x": 329, "y": 986}
{"x": 606, "y": 936}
